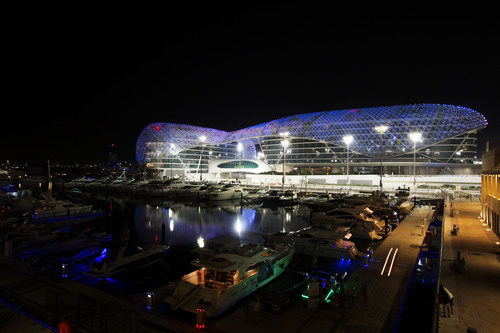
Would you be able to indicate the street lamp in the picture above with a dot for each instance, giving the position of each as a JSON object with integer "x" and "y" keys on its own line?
{"x": 285, "y": 143}
{"x": 381, "y": 130}
{"x": 239, "y": 147}
{"x": 348, "y": 139}
{"x": 415, "y": 137}
{"x": 172, "y": 151}
{"x": 202, "y": 140}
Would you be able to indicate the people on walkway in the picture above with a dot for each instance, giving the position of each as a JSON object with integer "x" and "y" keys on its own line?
{"x": 446, "y": 300}
{"x": 450, "y": 298}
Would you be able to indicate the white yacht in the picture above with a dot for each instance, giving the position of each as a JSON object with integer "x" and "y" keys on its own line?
{"x": 109, "y": 264}
{"x": 117, "y": 183}
{"x": 228, "y": 270}
{"x": 188, "y": 191}
{"x": 100, "y": 185}
{"x": 365, "y": 230}
{"x": 322, "y": 242}
{"x": 58, "y": 208}
{"x": 287, "y": 197}
{"x": 254, "y": 194}
{"x": 79, "y": 182}
{"x": 128, "y": 186}
{"x": 151, "y": 188}
{"x": 226, "y": 192}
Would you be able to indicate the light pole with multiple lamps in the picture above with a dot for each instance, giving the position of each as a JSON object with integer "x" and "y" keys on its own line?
{"x": 348, "y": 139}
{"x": 415, "y": 137}
{"x": 240, "y": 149}
{"x": 172, "y": 152}
{"x": 381, "y": 130}
{"x": 202, "y": 139}
{"x": 285, "y": 143}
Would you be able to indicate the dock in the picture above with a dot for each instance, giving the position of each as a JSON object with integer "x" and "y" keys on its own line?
{"x": 377, "y": 298}
{"x": 376, "y": 293}
{"x": 50, "y": 301}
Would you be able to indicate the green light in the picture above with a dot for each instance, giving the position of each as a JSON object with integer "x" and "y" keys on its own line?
{"x": 329, "y": 293}
{"x": 305, "y": 296}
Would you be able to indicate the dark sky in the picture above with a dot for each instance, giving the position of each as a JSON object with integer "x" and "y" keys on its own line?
{"x": 83, "y": 80}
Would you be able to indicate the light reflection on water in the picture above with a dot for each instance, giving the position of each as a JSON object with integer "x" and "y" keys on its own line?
{"x": 184, "y": 224}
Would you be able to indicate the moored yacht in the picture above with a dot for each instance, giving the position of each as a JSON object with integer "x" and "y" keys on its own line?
{"x": 109, "y": 264}
{"x": 228, "y": 270}
{"x": 59, "y": 208}
{"x": 323, "y": 242}
{"x": 226, "y": 192}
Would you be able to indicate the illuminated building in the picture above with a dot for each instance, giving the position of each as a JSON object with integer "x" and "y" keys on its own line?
{"x": 447, "y": 146}
{"x": 490, "y": 188}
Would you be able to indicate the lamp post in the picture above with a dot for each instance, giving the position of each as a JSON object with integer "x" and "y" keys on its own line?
{"x": 415, "y": 137}
{"x": 381, "y": 130}
{"x": 202, "y": 140}
{"x": 240, "y": 149}
{"x": 285, "y": 143}
{"x": 347, "y": 140}
{"x": 172, "y": 151}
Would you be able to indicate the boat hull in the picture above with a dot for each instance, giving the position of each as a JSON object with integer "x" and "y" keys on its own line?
{"x": 219, "y": 302}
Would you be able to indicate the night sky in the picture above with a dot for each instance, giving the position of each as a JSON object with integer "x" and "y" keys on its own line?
{"x": 83, "y": 80}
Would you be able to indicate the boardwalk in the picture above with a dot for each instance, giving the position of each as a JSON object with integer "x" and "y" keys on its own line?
{"x": 377, "y": 307}
{"x": 476, "y": 290}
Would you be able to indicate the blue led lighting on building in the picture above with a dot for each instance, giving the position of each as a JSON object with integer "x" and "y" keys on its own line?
{"x": 316, "y": 139}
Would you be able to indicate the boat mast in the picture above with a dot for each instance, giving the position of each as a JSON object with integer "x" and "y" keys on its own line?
{"x": 49, "y": 185}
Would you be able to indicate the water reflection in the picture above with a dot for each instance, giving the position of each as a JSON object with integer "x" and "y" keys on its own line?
{"x": 186, "y": 225}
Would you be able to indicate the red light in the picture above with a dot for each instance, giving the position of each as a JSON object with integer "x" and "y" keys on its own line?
{"x": 157, "y": 127}
{"x": 156, "y": 238}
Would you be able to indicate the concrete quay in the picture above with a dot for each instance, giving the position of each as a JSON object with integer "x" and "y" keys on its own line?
{"x": 476, "y": 288}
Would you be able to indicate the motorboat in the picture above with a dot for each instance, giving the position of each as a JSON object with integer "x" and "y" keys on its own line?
{"x": 254, "y": 195}
{"x": 333, "y": 218}
{"x": 113, "y": 263}
{"x": 79, "y": 242}
{"x": 127, "y": 186}
{"x": 287, "y": 197}
{"x": 226, "y": 192}
{"x": 59, "y": 208}
{"x": 25, "y": 240}
{"x": 228, "y": 270}
{"x": 151, "y": 189}
{"x": 323, "y": 242}
{"x": 118, "y": 183}
{"x": 364, "y": 230}
{"x": 74, "y": 182}
{"x": 403, "y": 202}
{"x": 188, "y": 191}
{"x": 100, "y": 184}
{"x": 313, "y": 198}
{"x": 131, "y": 187}
{"x": 277, "y": 197}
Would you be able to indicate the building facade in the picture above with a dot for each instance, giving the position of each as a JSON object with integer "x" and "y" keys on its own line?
{"x": 317, "y": 140}
{"x": 490, "y": 188}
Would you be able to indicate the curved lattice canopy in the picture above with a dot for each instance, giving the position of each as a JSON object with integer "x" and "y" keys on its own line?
{"x": 437, "y": 123}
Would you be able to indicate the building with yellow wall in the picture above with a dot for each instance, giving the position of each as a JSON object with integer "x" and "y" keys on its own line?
{"x": 490, "y": 187}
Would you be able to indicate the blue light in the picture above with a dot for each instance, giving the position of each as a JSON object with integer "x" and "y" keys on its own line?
{"x": 437, "y": 121}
